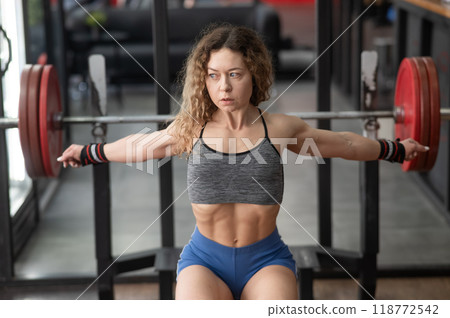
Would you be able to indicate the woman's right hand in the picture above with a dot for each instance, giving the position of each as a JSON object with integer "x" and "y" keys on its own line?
{"x": 71, "y": 156}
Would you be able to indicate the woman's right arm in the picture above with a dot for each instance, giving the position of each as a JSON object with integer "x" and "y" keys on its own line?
{"x": 133, "y": 148}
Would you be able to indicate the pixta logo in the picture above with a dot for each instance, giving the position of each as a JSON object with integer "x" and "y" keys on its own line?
{"x": 141, "y": 147}
{"x": 146, "y": 145}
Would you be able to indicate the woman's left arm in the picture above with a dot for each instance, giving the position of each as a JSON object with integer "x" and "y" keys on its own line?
{"x": 346, "y": 145}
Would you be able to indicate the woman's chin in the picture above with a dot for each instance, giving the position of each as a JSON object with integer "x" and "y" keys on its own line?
{"x": 228, "y": 108}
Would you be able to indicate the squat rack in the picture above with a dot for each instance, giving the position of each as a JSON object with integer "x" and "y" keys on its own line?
{"x": 162, "y": 258}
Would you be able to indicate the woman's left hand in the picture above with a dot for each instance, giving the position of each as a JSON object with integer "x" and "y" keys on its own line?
{"x": 412, "y": 148}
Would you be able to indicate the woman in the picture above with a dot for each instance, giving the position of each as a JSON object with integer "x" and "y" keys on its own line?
{"x": 235, "y": 175}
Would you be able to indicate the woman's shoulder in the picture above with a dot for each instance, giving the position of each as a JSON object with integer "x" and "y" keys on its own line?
{"x": 283, "y": 125}
{"x": 173, "y": 129}
{"x": 276, "y": 118}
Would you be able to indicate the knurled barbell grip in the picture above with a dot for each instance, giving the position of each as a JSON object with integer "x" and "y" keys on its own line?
{"x": 445, "y": 115}
{"x": 343, "y": 115}
{"x": 164, "y": 118}
{"x": 117, "y": 119}
{"x": 6, "y": 123}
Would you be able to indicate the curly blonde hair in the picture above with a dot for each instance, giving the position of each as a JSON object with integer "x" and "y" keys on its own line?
{"x": 197, "y": 106}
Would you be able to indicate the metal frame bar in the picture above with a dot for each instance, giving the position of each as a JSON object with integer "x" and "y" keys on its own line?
{"x": 26, "y": 33}
{"x": 323, "y": 96}
{"x": 61, "y": 35}
{"x": 6, "y": 238}
{"x": 357, "y": 47}
{"x": 49, "y": 35}
{"x": 160, "y": 28}
{"x": 346, "y": 42}
{"x": 369, "y": 219}
{"x": 336, "y": 57}
{"x": 103, "y": 241}
{"x": 369, "y": 189}
{"x": 400, "y": 32}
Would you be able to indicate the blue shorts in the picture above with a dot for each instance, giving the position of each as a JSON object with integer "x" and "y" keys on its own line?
{"x": 236, "y": 265}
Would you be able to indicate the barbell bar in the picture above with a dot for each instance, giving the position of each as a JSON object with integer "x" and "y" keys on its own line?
{"x": 60, "y": 121}
{"x": 7, "y": 123}
{"x": 41, "y": 122}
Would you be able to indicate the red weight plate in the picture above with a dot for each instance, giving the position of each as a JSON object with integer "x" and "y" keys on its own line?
{"x": 435, "y": 112}
{"x": 23, "y": 119}
{"x": 51, "y": 136}
{"x": 424, "y": 112}
{"x": 33, "y": 120}
{"x": 407, "y": 96}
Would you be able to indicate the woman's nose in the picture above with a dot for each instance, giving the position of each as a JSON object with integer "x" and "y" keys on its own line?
{"x": 225, "y": 85}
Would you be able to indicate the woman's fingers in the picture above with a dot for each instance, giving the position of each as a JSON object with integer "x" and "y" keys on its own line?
{"x": 71, "y": 156}
{"x": 422, "y": 148}
{"x": 412, "y": 148}
{"x": 73, "y": 163}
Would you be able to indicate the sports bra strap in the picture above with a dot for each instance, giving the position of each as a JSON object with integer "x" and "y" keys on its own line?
{"x": 201, "y": 132}
{"x": 264, "y": 123}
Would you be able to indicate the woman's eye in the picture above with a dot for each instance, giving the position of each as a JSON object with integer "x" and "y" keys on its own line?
{"x": 233, "y": 74}
{"x": 212, "y": 75}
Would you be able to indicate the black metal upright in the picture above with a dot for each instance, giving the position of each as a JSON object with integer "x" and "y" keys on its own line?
{"x": 102, "y": 194}
{"x": 323, "y": 81}
{"x": 369, "y": 192}
{"x": 161, "y": 66}
{"x": 356, "y": 54}
{"x": 102, "y": 218}
{"x": 49, "y": 35}
{"x": 336, "y": 55}
{"x": 346, "y": 56}
{"x": 26, "y": 32}
{"x": 60, "y": 35}
{"x": 6, "y": 240}
{"x": 369, "y": 172}
{"x": 400, "y": 31}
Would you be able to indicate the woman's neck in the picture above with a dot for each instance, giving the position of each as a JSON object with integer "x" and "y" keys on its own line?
{"x": 238, "y": 119}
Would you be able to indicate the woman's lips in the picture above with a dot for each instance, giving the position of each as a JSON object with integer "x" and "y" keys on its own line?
{"x": 227, "y": 101}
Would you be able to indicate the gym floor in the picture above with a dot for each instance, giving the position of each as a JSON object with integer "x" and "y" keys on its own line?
{"x": 413, "y": 234}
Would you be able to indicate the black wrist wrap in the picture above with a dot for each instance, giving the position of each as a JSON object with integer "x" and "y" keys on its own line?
{"x": 392, "y": 151}
{"x": 93, "y": 154}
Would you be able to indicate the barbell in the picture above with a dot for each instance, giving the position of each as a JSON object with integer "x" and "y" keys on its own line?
{"x": 417, "y": 115}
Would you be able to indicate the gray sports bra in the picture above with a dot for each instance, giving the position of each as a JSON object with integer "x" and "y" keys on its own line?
{"x": 254, "y": 176}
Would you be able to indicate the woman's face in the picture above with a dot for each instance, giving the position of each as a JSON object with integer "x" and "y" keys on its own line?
{"x": 228, "y": 80}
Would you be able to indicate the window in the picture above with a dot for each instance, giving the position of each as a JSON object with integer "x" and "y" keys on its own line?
{"x": 11, "y": 19}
